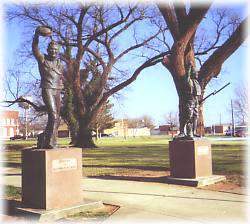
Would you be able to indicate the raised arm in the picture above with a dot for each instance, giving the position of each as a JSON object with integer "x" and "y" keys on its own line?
{"x": 39, "y": 57}
{"x": 35, "y": 49}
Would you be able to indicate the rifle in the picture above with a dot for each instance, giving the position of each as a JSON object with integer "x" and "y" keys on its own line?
{"x": 214, "y": 92}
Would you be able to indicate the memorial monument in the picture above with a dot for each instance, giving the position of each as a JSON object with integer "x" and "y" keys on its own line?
{"x": 51, "y": 72}
{"x": 189, "y": 103}
{"x": 51, "y": 176}
{"x": 189, "y": 154}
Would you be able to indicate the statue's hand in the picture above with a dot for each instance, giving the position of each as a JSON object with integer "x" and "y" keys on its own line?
{"x": 44, "y": 31}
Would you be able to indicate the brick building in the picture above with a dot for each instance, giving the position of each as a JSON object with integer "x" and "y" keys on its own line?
{"x": 9, "y": 125}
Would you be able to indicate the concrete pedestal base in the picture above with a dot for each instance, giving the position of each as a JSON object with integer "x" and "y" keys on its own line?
{"x": 43, "y": 215}
{"x": 198, "y": 182}
{"x": 191, "y": 163}
{"x": 51, "y": 179}
{"x": 190, "y": 158}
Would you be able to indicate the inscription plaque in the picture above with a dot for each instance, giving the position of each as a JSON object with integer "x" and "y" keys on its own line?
{"x": 202, "y": 150}
{"x": 64, "y": 164}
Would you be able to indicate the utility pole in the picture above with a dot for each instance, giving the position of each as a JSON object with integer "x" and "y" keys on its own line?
{"x": 26, "y": 107}
{"x": 26, "y": 123}
{"x": 232, "y": 111}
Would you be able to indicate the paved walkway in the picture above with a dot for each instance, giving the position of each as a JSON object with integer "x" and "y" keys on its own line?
{"x": 143, "y": 202}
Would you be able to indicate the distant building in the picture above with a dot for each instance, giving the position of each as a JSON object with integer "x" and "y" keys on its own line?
{"x": 166, "y": 129}
{"x": 220, "y": 129}
{"x": 155, "y": 131}
{"x": 63, "y": 131}
{"x": 217, "y": 129}
{"x": 9, "y": 124}
{"x": 208, "y": 130}
{"x": 121, "y": 129}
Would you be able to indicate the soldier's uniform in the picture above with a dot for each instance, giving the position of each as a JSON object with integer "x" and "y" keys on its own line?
{"x": 189, "y": 102}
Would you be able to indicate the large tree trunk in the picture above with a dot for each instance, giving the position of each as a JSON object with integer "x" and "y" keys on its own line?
{"x": 73, "y": 133}
{"x": 84, "y": 135}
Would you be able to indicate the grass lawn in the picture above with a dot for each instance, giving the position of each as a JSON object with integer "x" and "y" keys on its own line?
{"x": 133, "y": 156}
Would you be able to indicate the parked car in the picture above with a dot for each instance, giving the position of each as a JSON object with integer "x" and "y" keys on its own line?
{"x": 240, "y": 133}
{"x": 17, "y": 137}
{"x": 103, "y": 135}
{"x": 229, "y": 132}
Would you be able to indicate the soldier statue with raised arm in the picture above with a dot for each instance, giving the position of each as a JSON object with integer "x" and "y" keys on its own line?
{"x": 189, "y": 103}
{"x": 51, "y": 72}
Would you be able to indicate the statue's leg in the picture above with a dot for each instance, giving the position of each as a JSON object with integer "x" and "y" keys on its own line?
{"x": 189, "y": 113}
{"x": 195, "y": 121}
{"x": 58, "y": 106}
{"x": 195, "y": 118}
{"x": 189, "y": 130}
{"x": 56, "y": 116}
{"x": 57, "y": 99}
{"x": 49, "y": 100}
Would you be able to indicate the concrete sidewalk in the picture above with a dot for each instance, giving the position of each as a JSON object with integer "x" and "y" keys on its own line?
{"x": 144, "y": 202}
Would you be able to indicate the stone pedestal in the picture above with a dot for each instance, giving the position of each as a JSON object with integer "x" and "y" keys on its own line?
{"x": 190, "y": 158}
{"x": 191, "y": 163}
{"x": 51, "y": 179}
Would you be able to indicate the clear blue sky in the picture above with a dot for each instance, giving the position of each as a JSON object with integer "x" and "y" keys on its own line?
{"x": 154, "y": 94}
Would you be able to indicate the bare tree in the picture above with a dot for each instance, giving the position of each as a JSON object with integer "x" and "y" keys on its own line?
{"x": 134, "y": 122}
{"x": 171, "y": 118}
{"x": 92, "y": 50}
{"x": 36, "y": 122}
{"x": 191, "y": 41}
{"x": 140, "y": 122}
{"x": 104, "y": 119}
{"x": 147, "y": 121}
{"x": 240, "y": 104}
{"x": 90, "y": 36}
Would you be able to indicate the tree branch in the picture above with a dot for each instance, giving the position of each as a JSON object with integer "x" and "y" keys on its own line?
{"x": 136, "y": 46}
{"x": 126, "y": 26}
{"x": 153, "y": 61}
{"x": 97, "y": 56}
{"x": 213, "y": 64}
{"x": 110, "y": 27}
{"x": 180, "y": 12}
{"x": 193, "y": 20}
{"x": 79, "y": 33}
{"x": 38, "y": 108}
{"x": 170, "y": 19}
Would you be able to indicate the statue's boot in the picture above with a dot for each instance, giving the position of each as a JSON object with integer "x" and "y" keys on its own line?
{"x": 180, "y": 136}
{"x": 189, "y": 135}
{"x": 195, "y": 122}
{"x": 50, "y": 147}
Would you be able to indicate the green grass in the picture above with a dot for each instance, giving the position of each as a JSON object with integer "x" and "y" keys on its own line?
{"x": 118, "y": 155}
{"x": 12, "y": 192}
{"x": 22, "y": 144}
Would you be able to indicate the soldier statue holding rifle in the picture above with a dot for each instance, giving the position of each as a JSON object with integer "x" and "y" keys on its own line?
{"x": 51, "y": 72}
{"x": 189, "y": 103}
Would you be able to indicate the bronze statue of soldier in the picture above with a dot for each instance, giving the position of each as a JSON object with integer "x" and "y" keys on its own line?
{"x": 189, "y": 103}
{"x": 51, "y": 72}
